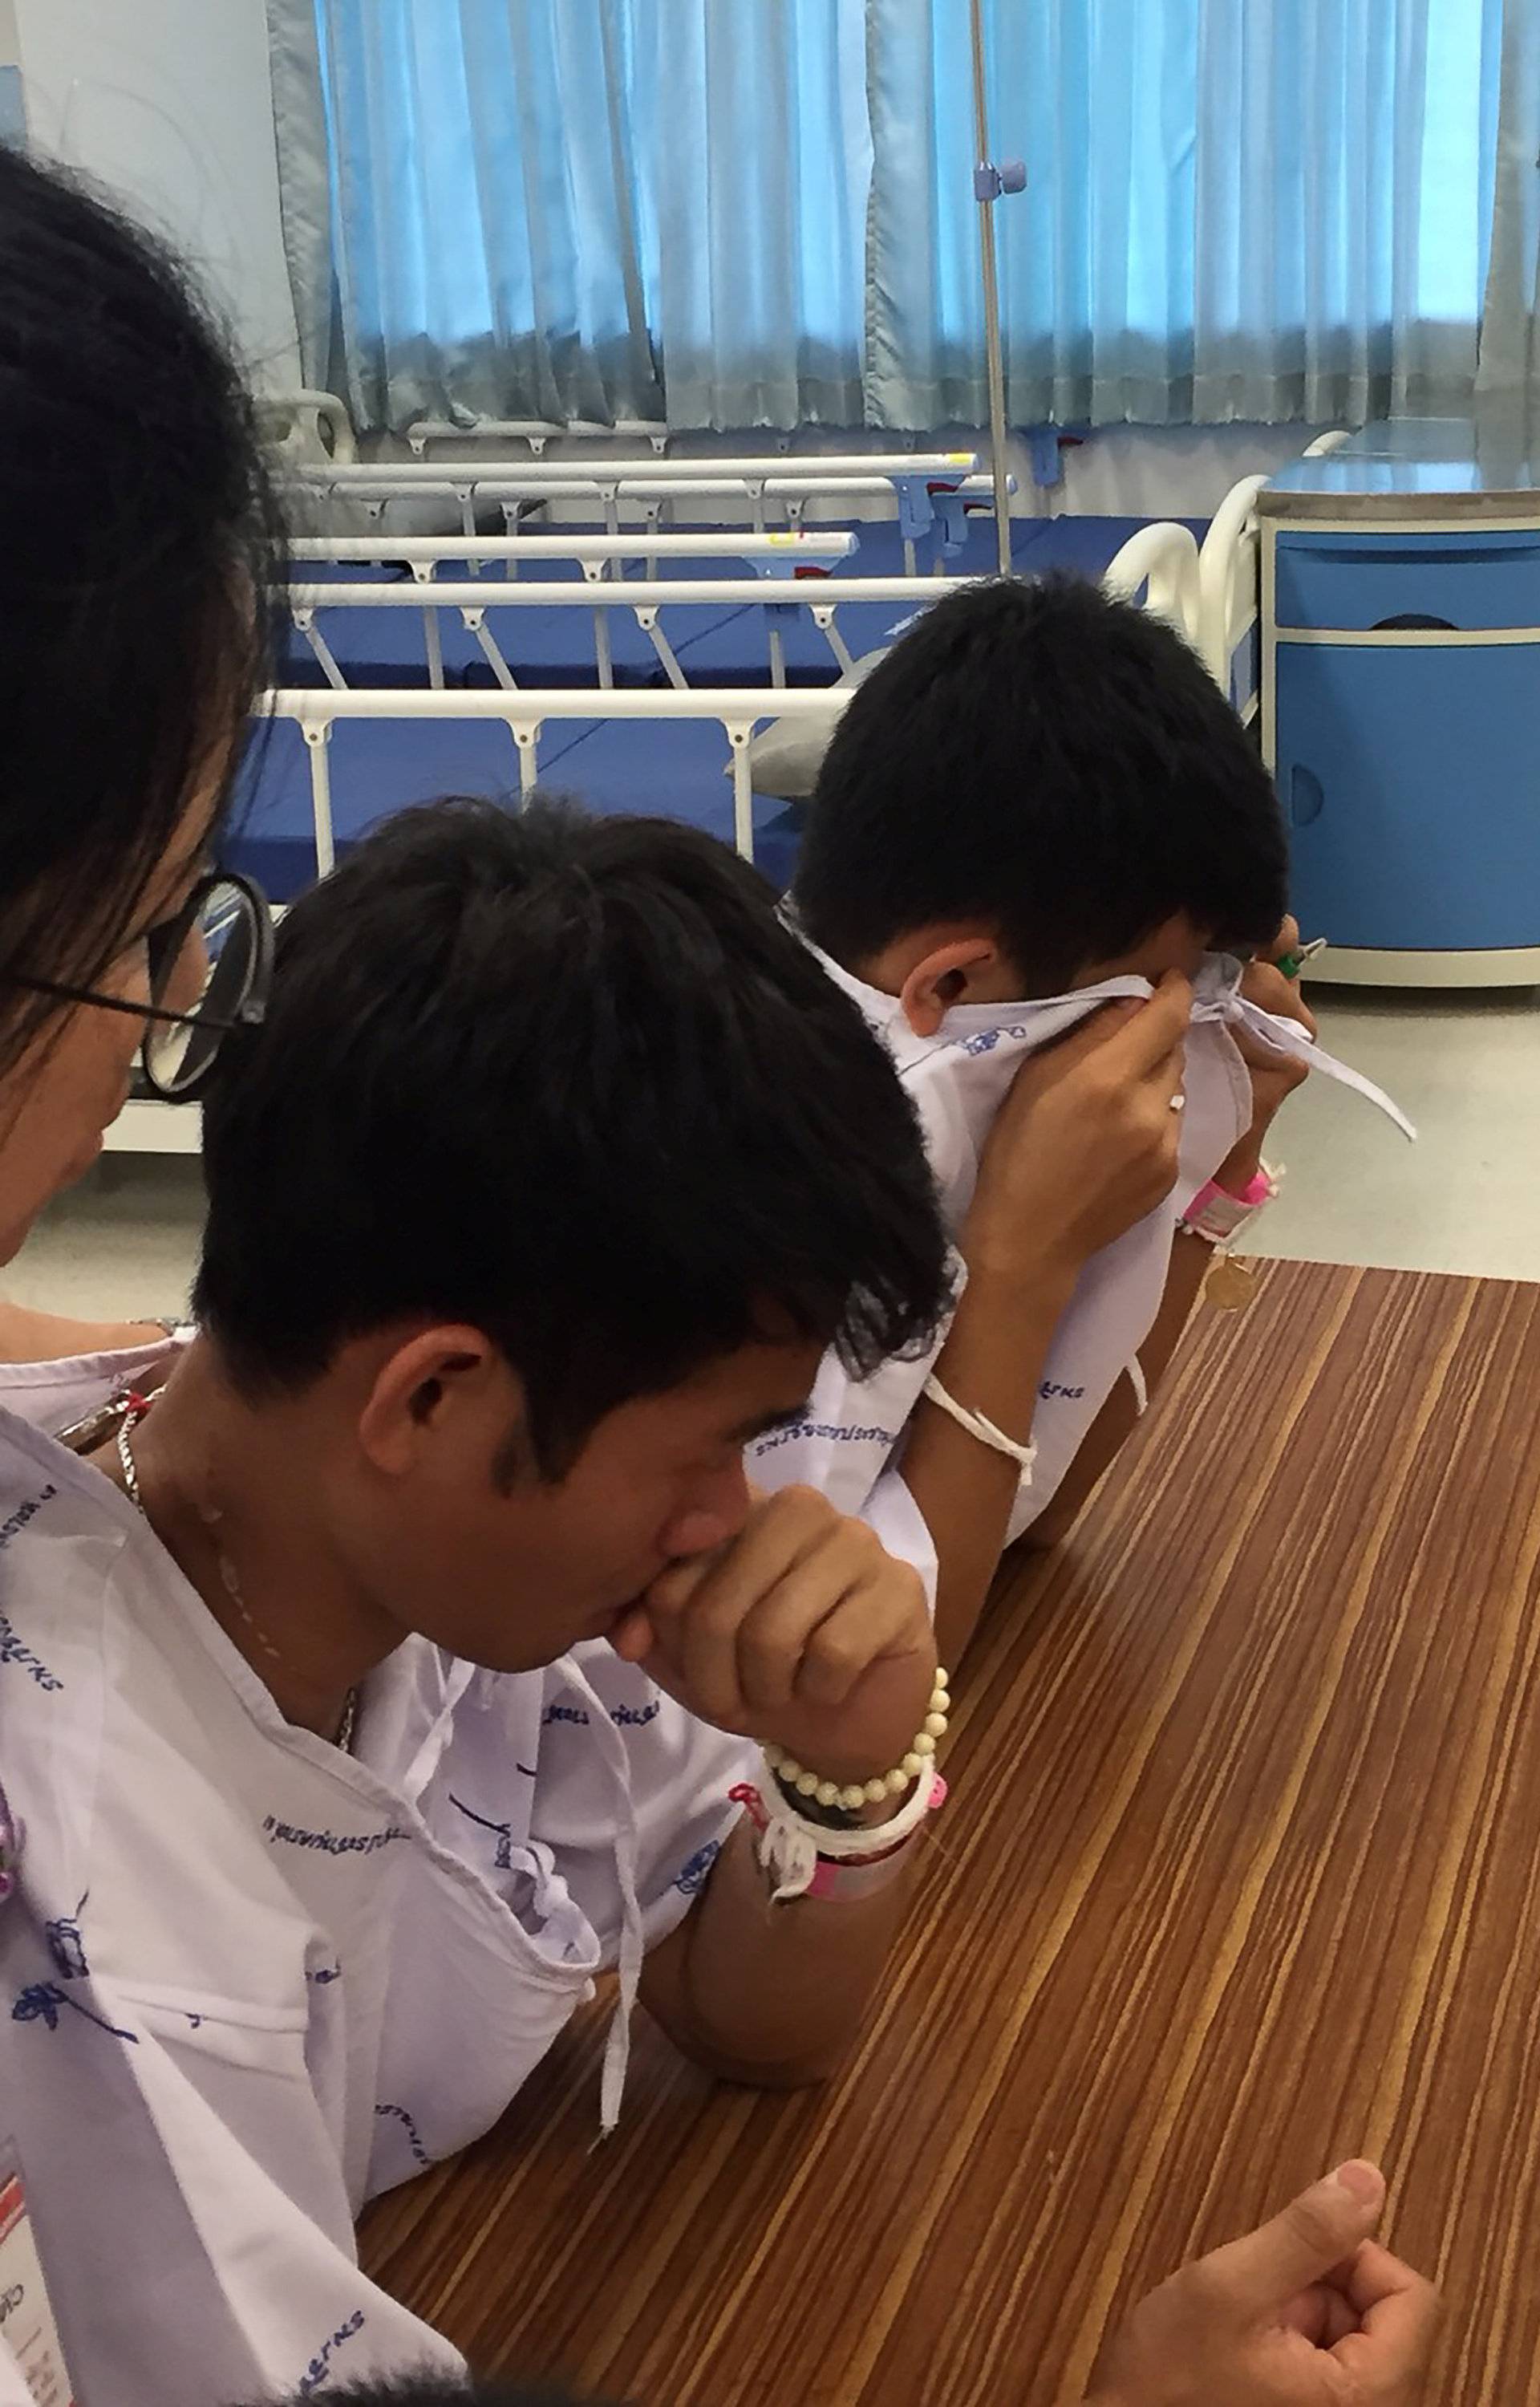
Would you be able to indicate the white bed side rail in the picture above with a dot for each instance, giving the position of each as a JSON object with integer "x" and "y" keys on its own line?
{"x": 1229, "y": 594}
{"x": 736, "y": 709}
{"x": 784, "y": 550}
{"x": 820, "y": 597}
{"x": 1227, "y": 578}
{"x": 1162, "y": 560}
{"x": 409, "y": 472}
{"x": 537, "y": 432}
{"x": 921, "y": 496}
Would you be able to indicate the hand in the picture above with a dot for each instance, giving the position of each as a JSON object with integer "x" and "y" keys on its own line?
{"x": 1274, "y": 1075}
{"x": 1085, "y": 1143}
{"x": 803, "y": 1630}
{"x": 1304, "y": 2313}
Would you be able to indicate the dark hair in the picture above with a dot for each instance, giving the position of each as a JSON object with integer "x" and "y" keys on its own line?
{"x": 570, "y": 1080}
{"x": 136, "y": 533}
{"x": 1052, "y": 761}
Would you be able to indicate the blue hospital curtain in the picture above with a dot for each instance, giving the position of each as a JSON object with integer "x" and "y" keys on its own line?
{"x": 1236, "y": 209}
{"x": 1510, "y": 334}
{"x": 739, "y": 213}
{"x": 549, "y": 208}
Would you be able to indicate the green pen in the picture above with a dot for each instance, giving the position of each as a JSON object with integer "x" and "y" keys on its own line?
{"x": 1293, "y": 964}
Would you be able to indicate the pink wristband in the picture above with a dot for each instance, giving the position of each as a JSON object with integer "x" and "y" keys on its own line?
{"x": 1215, "y": 1214}
{"x": 1258, "y": 1192}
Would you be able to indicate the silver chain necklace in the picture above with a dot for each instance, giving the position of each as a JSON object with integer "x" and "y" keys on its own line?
{"x": 229, "y": 1579}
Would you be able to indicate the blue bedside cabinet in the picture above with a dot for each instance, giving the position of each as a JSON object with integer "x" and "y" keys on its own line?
{"x": 1400, "y": 704}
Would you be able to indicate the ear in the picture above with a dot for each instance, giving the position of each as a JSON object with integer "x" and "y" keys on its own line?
{"x": 441, "y": 1382}
{"x": 943, "y": 978}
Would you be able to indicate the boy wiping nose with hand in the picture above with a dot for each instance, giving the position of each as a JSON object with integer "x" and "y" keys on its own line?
{"x": 1034, "y": 814}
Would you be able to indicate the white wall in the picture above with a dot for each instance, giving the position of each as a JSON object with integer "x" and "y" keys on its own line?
{"x": 168, "y": 102}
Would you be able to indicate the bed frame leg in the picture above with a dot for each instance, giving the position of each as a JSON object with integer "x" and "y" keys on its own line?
{"x": 742, "y": 790}
{"x": 527, "y": 737}
{"x": 434, "y": 642}
{"x": 777, "y": 649}
{"x": 306, "y": 621}
{"x": 317, "y": 736}
{"x": 647, "y": 620}
{"x": 476, "y": 624}
{"x": 844, "y": 657}
{"x": 601, "y": 649}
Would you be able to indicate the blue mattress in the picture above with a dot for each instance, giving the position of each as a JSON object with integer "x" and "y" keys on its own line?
{"x": 678, "y": 770}
{"x": 674, "y": 768}
{"x": 1086, "y": 545}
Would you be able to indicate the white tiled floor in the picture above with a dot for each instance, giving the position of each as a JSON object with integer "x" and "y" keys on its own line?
{"x": 125, "y": 1242}
{"x": 1466, "y": 1197}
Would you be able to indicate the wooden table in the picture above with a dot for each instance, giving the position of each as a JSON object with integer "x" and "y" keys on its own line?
{"x": 1241, "y": 1875}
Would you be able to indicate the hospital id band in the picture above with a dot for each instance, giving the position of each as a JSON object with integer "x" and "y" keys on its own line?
{"x": 1217, "y": 1217}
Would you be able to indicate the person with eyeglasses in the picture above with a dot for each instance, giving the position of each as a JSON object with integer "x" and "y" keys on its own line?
{"x": 137, "y": 546}
{"x": 138, "y": 538}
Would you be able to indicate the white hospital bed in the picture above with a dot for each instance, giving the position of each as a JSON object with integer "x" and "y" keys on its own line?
{"x": 820, "y": 597}
{"x": 537, "y": 433}
{"x": 783, "y": 551}
{"x": 1229, "y": 579}
{"x": 913, "y": 482}
{"x": 890, "y": 466}
{"x": 146, "y": 1127}
{"x": 1157, "y": 564}
{"x": 525, "y": 711}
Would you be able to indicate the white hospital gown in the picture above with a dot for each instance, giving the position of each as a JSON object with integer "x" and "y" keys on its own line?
{"x": 852, "y": 1436}
{"x": 248, "y": 1982}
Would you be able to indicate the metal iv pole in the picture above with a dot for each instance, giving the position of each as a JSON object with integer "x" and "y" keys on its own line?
{"x": 989, "y": 182}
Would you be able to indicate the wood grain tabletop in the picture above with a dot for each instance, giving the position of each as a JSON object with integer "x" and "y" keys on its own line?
{"x": 1240, "y": 1875}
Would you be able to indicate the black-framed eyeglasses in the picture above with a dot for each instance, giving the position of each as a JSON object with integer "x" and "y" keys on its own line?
{"x": 228, "y": 915}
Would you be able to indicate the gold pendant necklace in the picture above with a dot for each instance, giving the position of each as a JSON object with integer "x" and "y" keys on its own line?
{"x": 135, "y": 1409}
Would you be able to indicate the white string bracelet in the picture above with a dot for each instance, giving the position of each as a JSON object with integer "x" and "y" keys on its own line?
{"x": 843, "y": 1861}
{"x": 984, "y": 1429}
{"x": 803, "y": 1859}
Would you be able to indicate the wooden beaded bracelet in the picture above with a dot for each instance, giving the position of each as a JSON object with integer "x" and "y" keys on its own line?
{"x": 810, "y": 1789}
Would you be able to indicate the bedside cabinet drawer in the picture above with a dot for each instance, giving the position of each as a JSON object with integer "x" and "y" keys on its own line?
{"x": 1349, "y": 582}
{"x": 1410, "y": 778}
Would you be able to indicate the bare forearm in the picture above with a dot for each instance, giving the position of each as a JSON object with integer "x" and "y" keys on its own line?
{"x": 1119, "y": 1417}
{"x": 30, "y": 1336}
{"x": 771, "y": 1995}
{"x": 993, "y": 1362}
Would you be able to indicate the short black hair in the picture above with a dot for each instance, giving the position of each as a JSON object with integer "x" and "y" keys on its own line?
{"x": 572, "y": 1081}
{"x": 1053, "y": 761}
{"x": 140, "y": 534}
